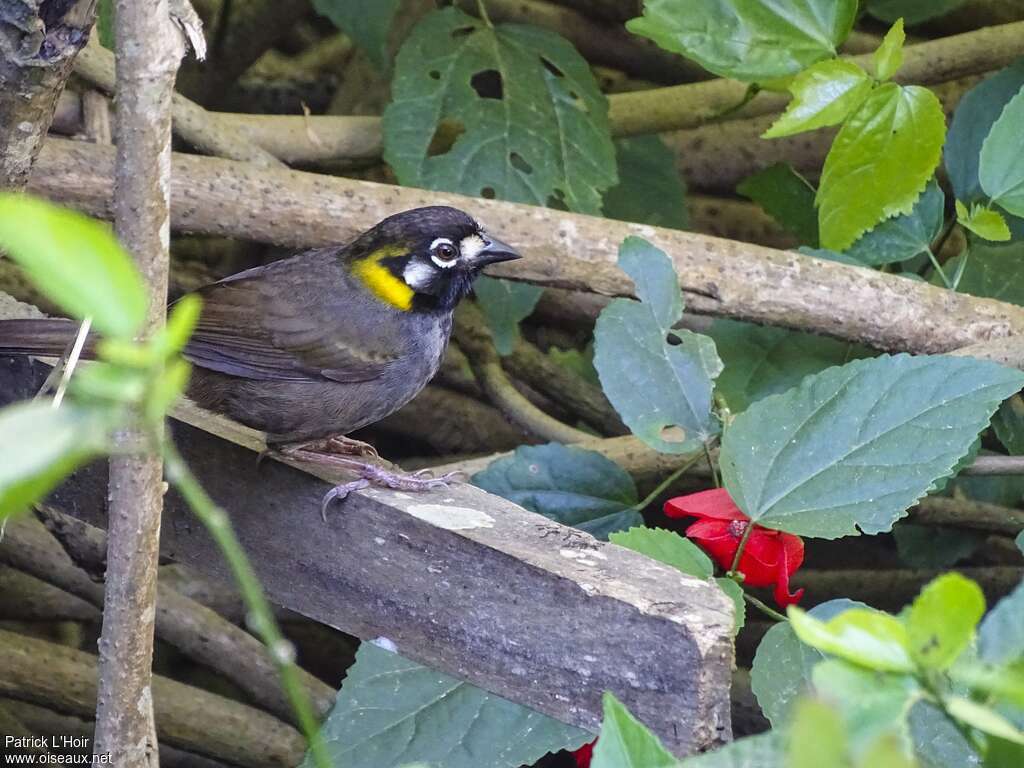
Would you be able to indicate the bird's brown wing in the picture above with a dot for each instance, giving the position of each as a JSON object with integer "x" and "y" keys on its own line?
{"x": 280, "y": 323}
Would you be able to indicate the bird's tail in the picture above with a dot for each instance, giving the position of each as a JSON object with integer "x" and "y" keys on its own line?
{"x": 48, "y": 337}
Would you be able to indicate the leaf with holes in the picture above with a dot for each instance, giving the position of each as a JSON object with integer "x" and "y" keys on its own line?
{"x": 510, "y": 111}
{"x": 854, "y": 446}
{"x": 1001, "y": 167}
{"x": 880, "y": 162}
{"x": 657, "y": 386}
{"x": 568, "y": 485}
{"x": 751, "y": 40}
{"x": 650, "y": 189}
{"x": 391, "y": 711}
{"x": 367, "y": 22}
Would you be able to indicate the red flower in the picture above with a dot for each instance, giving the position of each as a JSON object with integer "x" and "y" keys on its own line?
{"x": 583, "y": 754}
{"x": 769, "y": 557}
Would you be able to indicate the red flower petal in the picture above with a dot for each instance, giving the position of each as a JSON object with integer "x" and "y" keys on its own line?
{"x": 583, "y": 754}
{"x": 792, "y": 556}
{"x": 715, "y": 538}
{"x": 715, "y": 504}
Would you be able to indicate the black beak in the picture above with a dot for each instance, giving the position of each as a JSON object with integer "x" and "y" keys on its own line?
{"x": 495, "y": 251}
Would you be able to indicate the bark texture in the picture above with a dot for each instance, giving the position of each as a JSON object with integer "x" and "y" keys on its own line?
{"x": 38, "y": 43}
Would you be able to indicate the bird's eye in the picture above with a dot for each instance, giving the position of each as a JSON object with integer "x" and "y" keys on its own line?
{"x": 444, "y": 253}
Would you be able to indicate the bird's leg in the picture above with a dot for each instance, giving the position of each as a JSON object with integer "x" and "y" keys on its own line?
{"x": 374, "y": 474}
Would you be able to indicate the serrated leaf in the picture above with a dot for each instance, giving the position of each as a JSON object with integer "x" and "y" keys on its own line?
{"x": 391, "y": 711}
{"x": 889, "y": 56}
{"x": 880, "y": 162}
{"x": 984, "y": 719}
{"x": 929, "y": 546}
{"x": 765, "y": 750}
{"x": 505, "y": 304}
{"x": 912, "y": 11}
{"x": 650, "y": 190}
{"x": 75, "y": 261}
{"x": 42, "y": 445}
{"x": 983, "y": 221}
{"x": 756, "y": 40}
{"x": 904, "y": 237}
{"x": 531, "y": 125}
{"x": 625, "y": 742}
{"x": 979, "y": 108}
{"x": 1001, "y": 166}
{"x": 655, "y": 386}
{"x": 942, "y": 619}
{"x": 569, "y": 485}
{"x": 763, "y": 360}
{"x": 823, "y": 94}
{"x": 1001, "y": 635}
{"x": 367, "y": 22}
{"x": 787, "y": 197}
{"x": 854, "y": 446}
{"x": 682, "y": 554}
{"x": 866, "y": 637}
{"x": 782, "y": 664}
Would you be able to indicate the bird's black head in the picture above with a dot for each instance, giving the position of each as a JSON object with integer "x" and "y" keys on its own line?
{"x": 425, "y": 259}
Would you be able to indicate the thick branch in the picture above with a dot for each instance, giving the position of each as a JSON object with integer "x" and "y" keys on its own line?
{"x": 37, "y": 49}
{"x": 718, "y": 277}
{"x": 966, "y": 513}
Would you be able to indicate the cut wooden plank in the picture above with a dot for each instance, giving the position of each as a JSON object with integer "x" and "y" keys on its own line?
{"x": 460, "y": 580}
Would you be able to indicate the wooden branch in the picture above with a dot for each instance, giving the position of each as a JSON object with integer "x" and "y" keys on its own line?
{"x": 23, "y": 597}
{"x": 691, "y": 105}
{"x": 718, "y": 277}
{"x": 63, "y": 678}
{"x": 37, "y": 49}
{"x": 149, "y": 49}
{"x": 967, "y": 513}
{"x": 465, "y": 582}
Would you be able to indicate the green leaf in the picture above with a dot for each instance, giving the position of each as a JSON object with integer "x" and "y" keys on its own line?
{"x": 983, "y": 221}
{"x": 984, "y": 719}
{"x": 1005, "y": 684}
{"x": 1002, "y": 753}
{"x": 625, "y": 742}
{"x": 765, "y": 750}
{"x": 978, "y": 110}
{"x": 650, "y": 189}
{"x": 531, "y": 125}
{"x": 937, "y": 742}
{"x": 367, "y": 22}
{"x": 854, "y": 446}
{"x": 863, "y": 636}
{"x": 41, "y": 445}
{"x": 569, "y": 485}
{"x": 879, "y": 163}
{"x": 666, "y": 547}
{"x": 912, "y": 11}
{"x": 929, "y": 546}
{"x": 750, "y": 40}
{"x": 1001, "y": 635}
{"x": 942, "y": 619}
{"x": 764, "y": 360}
{"x": 1001, "y": 167}
{"x": 505, "y": 304}
{"x": 167, "y": 389}
{"x": 874, "y": 705}
{"x": 887, "y": 752}
{"x": 672, "y": 549}
{"x": 993, "y": 272}
{"x": 889, "y": 56}
{"x": 823, "y": 94}
{"x": 658, "y": 388}
{"x": 75, "y": 261}
{"x": 1020, "y": 541}
{"x": 105, "y": 23}
{"x": 817, "y": 737}
{"x": 391, "y": 711}
{"x": 783, "y": 665}
{"x": 903, "y": 237}
{"x": 787, "y": 197}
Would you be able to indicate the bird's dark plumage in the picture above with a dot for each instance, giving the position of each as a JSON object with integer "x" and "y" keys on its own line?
{"x": 327, "y": 341}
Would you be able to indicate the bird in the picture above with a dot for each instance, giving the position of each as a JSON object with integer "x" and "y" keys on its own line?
{"x": 317, "y": 345}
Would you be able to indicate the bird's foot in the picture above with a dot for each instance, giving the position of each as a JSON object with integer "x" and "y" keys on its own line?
{"x": 374, "y": 474}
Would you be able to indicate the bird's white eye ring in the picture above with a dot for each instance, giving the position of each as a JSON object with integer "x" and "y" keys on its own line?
{"x": 444, "y": 253}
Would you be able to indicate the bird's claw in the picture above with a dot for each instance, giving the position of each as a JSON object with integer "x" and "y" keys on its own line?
{"x": 370, "y": 474}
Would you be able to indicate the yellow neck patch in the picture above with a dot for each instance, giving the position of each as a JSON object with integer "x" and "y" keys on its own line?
{"x": 379, "y": 279}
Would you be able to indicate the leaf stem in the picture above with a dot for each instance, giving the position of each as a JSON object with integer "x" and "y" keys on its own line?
{"x": 259, "y": 615}
{"x": 734, "y": 568}
{"x": 641, "y": 505}
{"x": 938, "y": 268}
{"x": 711, "y": 465}
{"x": 483, "y": 13}
{"x": 764, "y": 607}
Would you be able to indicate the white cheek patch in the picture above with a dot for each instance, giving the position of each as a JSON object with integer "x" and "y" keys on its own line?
{"x": 417, "y": 275}
{"x": 471, "y": 246}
